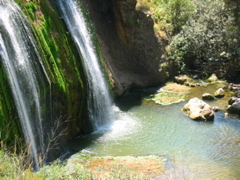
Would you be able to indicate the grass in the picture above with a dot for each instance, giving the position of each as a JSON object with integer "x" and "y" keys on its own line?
{"x": 85, "y": 167}
{"x": 13, "y": 166}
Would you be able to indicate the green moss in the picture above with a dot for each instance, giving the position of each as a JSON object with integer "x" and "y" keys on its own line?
{"x": 167, "y": 98}
{"x": 30, "y": 8}
{"x": 60, "y": 59}
{"x": 171, "y": 93}
{"x": 10, "y": 129}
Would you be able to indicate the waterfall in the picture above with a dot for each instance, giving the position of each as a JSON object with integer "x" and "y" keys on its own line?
{"x": 26, "y": 75}
{"x": 99, "y": 101}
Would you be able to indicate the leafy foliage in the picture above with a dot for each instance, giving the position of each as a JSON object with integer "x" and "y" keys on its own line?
{"x": 169, "y": 15}
{"x": 209, "y": 37}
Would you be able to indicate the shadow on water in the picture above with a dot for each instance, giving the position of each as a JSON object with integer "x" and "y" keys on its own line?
{"x": 79, "y": 143}
{"x": 133, "y": 97}
{"x": 128, "y": 100}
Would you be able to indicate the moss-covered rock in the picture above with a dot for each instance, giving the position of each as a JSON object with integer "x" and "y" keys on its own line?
{"x": 60, "y": 58}
{"x": 170, "y": 94}
{"x": 66, "y": 90}
{"x": 10, "y": 129}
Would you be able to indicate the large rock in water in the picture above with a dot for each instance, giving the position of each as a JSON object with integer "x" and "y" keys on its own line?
{"x": 235, "y": 88}
{"x": 207, "y": 96}
{"x": 197, "y": 109}
{"x": 219, "y": 93}
{"x": 234, "y": 105}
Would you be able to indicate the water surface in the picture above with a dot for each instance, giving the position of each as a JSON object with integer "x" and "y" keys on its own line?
{"x": 195, "y": 150}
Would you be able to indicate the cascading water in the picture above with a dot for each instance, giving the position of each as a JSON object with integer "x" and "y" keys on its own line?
{"x": 26, "y": 75}
{"x": 99, "y": 101}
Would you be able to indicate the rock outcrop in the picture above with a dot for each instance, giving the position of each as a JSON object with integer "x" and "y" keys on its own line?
{"x": 182, "y": 79}
{"x": 185, "y": 80}
{"x": 131, "y": 51}
{"x": 212, "y": 78}
{"x": 197, "y": 109}
{"x": 234, "y": 105}
{"x": 207, "y": 96}
{"x": 235, "y": 88}
{"x": 219, "y": 93}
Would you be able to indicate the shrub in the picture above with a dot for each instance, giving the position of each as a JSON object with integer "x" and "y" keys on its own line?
{"x": 170, "y": 15}
{"x": 209, "y": 37}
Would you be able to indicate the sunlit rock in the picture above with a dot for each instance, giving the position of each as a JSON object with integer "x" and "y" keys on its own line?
{"x": 219, "y": 93}
{"x": 182, "y": 79}
{"x": 197, "y": 109}
{"x": 212, "y": 78}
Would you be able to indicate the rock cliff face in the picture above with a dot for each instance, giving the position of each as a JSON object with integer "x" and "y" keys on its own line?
{"x": 128, "y": 44}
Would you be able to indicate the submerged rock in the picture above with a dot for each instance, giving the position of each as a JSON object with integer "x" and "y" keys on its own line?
{"x": 234, "y": 105}
{"x": 207, "y": 96}
{"x": 197, "y": 109}
{"x": 219, "y": 93}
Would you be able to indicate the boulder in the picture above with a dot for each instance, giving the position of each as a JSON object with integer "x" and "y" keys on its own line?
{"x": 182, "y": 79}
{"x": 219, "y": 93}
{"x": 234, "y": 105}
{"x": 212, "y": 78}
{"x": 197, "y": 109}
{"x": 186, "y": 80}
{"x": 216, "y": 108}
{"x": 207, "y": 96}
{"x": 235, "y": 88}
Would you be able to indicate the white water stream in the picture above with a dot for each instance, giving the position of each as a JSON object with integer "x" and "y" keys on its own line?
{"x": 99, "y": 101}
{"x": 25, "y": 72}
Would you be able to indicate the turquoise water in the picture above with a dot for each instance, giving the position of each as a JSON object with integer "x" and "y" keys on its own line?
{"x": 195, "y": 150}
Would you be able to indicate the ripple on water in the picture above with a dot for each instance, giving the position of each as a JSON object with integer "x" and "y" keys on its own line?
{"x": 199, "y": 150}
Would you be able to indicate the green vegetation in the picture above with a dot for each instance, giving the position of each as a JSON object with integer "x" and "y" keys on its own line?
{"x": 168, "y": 15}
{"x": 170, "y": 94}
{"x": 60, "y": 170}
{"x": 10, "y": 129}
{"x": 85, "y": 167}
{"x": 13, "y": 167}
{"x": 234, "y": 6}
{"x": 209, "y": 37}
{"x": 60, "y": 59}
{"x": 200, "y": 33}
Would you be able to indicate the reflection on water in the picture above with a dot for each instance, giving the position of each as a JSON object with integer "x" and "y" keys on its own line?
{"x": 198, "y": 150}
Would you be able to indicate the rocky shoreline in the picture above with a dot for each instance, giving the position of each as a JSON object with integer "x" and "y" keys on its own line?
{"x": 224, "y": 95}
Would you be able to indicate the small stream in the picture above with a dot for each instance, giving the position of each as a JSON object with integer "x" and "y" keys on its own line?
{"x": 195, "y": 150}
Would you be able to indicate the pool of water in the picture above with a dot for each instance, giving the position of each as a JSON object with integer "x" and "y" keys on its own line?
{"x": 195, "y": 150}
